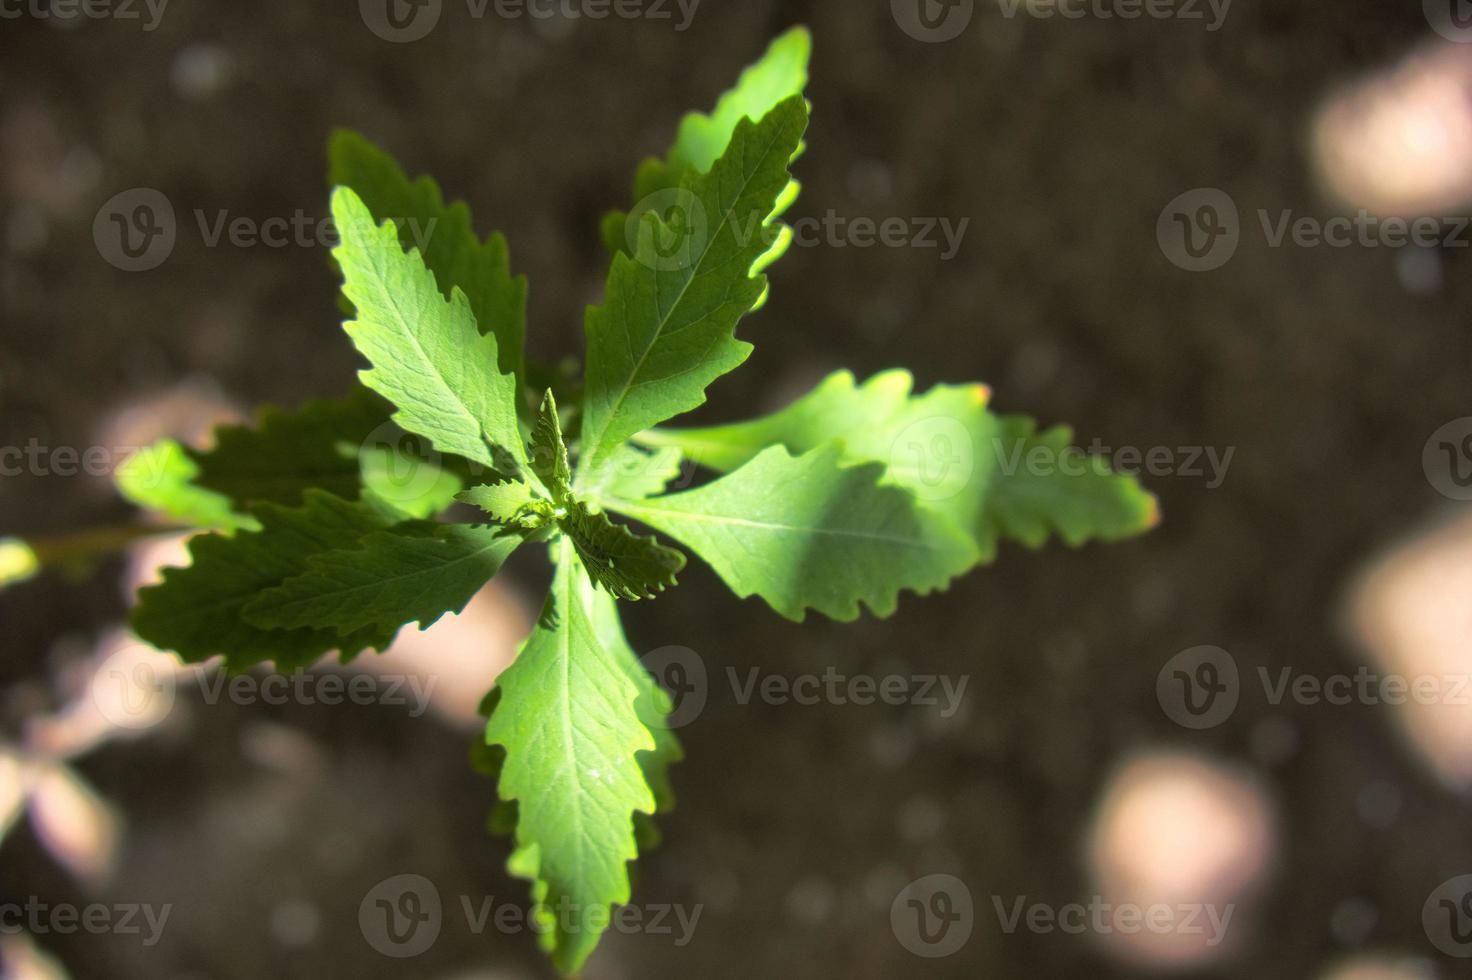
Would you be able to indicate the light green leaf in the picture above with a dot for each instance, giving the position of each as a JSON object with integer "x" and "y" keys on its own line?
{"x": 634, "y": 473}
{"x": 653, "y": 708}
{"x": 958, "y": 458}
{"x": 164, "y": 477}
{"x": 549, "y": 453}
{"x": 567, "y": 720}
{"x": 415, "y": 571}
{"x": 198, "y": 611}
{"x": 780, "y": 74}
{"x": 808, "y": 532}
{"x": 628, "y": 565}
{"x": 428, "y": 357}
{"x": 1045, "y": 485}
{"x": 666, "y": 328}
{"x": 444, "y": 236}
{"x": 503, "y": 501}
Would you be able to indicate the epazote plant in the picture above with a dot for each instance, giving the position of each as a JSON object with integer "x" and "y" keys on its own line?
{"x": 846, "y": 497}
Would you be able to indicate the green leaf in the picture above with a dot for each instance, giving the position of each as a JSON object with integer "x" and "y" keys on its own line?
{"x": 503, "y": 501}
{"x": 653, "y": 708}
{"x": 634, "y": 473}
{"x": 944, "y": 446}
{"x": 198, "y": 611}
{"x": 628, "y": 565}
{"x": 415, "y": 571}
{"x": 807, "y": 532}
{"x": 287, "y": 452}
{"x": 428, "y": 357}
{"x": 444, "y": 236}
{"x": 666, "y": 328}
{"x": 1045, "y": 485}
{"x": 397, "y": 476}
{"x": 571, "y": 732}
{"x": 549, "y": 453}
{"x": 164, "y": 477}
{"x": 780, "y": 74}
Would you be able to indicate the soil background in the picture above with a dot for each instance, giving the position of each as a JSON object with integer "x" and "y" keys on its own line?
{"x": 1061, "y": 141}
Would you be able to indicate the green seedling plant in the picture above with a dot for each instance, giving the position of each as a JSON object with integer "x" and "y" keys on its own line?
{"x": 331, "y": 527}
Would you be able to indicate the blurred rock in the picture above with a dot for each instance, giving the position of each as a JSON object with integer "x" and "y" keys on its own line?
{"x": 1184, "y": 831}
{"x": 1409, "y": 611}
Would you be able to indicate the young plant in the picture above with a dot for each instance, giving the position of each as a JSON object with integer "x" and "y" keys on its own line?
{"x": 848, "y": 496}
